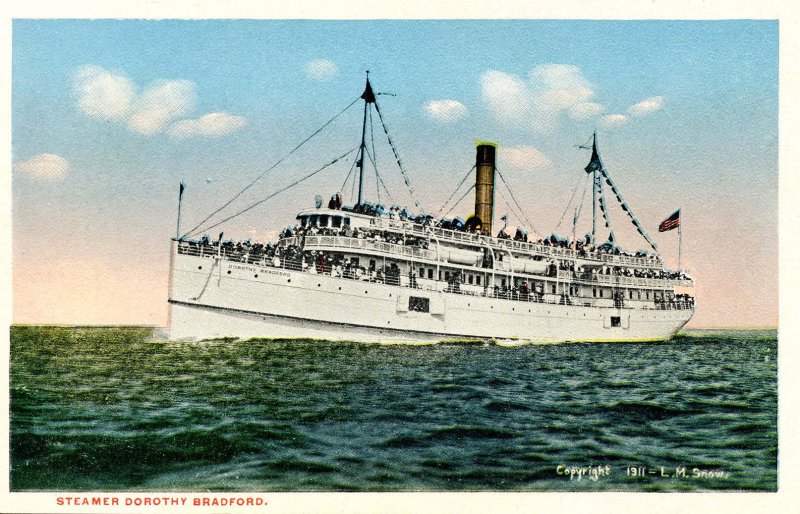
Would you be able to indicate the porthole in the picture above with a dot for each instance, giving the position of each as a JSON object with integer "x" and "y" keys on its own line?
{"x": 256, "y": 275}
{"x": 289, "y": 280}
{"x": 319, "y": 285}
{"x": 366, "y": 292}
{"x": 199, "y": 267}
{"x": 229, "y": 272}
{"x": 340, "y": 288}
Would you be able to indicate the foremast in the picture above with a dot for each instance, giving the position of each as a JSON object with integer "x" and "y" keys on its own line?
{"x": 369, "y": 98}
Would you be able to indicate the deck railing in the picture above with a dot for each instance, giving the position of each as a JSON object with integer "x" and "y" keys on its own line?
{"x": 312, "y": 242}
{"x": 621, "y": 280}
{"x": 522, "y": 246}
{"x": 297, "y": 264}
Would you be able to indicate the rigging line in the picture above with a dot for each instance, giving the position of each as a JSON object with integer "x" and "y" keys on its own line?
{"x": 380, "y": 179}
{"x": 352, "y": 167}
{"x": 459, "y": 200}
{"x": 399, "y": 162}
{"x": 511, "y": 208}
{"x": 574, "y": 190}
{"x": 283, "y": 189}
{"x": 455, "y": 190}
{"x": 248, "y": 186}
{"x": 513, "y": 211}
{"x": 585, "y": 146}
{"x": 374, "y": 157}
{"x": 531, "y": 225}
{"x": 583, "y": 200}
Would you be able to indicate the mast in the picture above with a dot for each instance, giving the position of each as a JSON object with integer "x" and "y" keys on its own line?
{"x": 680, "y": 239}
{"x": 369, "y": 98}
{"x": 594, "y": 205}
{"x": 594, "y": 166}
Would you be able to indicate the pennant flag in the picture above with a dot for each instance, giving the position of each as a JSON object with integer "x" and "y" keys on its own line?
{"x": 180, "y": 192}
{"x": 594, "y": 162}
{"x": 672, "y": 222}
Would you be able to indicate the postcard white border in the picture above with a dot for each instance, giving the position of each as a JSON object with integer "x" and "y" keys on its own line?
{"x": 785, "y": 500}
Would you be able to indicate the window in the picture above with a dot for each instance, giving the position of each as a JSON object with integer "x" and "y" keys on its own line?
{"x": 323, "y": 220}
{"x": 616, "y": 321}
{"x": 471, "y": 279}
{"x": 346, "y": 222}
{"x": 478, "y": 279}
{"x": 422, "y": 273}
{"x": 372, "y": 264}
{"x": 594, "y": 292}
{"x": 430, "y": 273}
{"x": 447, "y": 276}
{"x": 337, "y": 221}
{"x": 418, "y": 304}
{"x": 553, "y": 288}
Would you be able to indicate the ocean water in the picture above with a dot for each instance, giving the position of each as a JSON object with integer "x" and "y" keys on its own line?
{"x": 118, "y": 409}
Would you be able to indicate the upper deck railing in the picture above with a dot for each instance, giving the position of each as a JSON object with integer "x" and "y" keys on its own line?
{"x": 351, "y": 243}
{"x": 510, "y": 244}
{"x": 311, "y": 242}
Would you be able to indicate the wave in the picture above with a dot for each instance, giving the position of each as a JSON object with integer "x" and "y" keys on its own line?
{"x": 643, "y": 411}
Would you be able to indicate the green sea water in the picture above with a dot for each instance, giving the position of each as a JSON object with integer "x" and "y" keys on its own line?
{"x": 118, "y": 408}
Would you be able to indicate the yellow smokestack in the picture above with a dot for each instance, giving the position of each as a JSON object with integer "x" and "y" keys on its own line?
{"x": 484, "y": 184}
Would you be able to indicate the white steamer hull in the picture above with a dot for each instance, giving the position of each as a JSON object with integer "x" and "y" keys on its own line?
{"x": 212, "y": 298}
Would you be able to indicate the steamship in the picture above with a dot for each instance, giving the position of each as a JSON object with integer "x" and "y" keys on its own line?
{"x": 367, "y": 273}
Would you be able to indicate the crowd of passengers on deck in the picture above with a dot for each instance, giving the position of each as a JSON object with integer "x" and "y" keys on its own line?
{"x": 340, "y": 266}
{"x": 291, "y": 256}
{"x": 582, "y": 246}
{"x": 382, "y": 236}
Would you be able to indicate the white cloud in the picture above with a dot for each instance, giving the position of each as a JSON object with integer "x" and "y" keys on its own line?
{"x": 445, "y": 110}
{"x": 523, "y": 157}
{"x": 109, "y": 96}
{"x": 586, "y": 110}
{"x": 46, "y": 167}
{"x": 321, "y": 69}
{"x": 102, "y": 94}
{"x": 613, "y": 120}
{"x": 211, "y": 124}
{"x": 508, "y": 96}
{"x": 161, "y": 102}
{"x": 647, "y": 106}
{"x": 551, "y": 93}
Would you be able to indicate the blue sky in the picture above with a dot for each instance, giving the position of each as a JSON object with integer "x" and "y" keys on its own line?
{"x": 686, "y": 114}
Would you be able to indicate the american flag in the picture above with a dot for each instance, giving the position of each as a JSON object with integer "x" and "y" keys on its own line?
{"x": 674, "y": 221}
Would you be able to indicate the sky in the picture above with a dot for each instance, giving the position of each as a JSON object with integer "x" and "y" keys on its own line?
{"x": 109, "y": 116}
